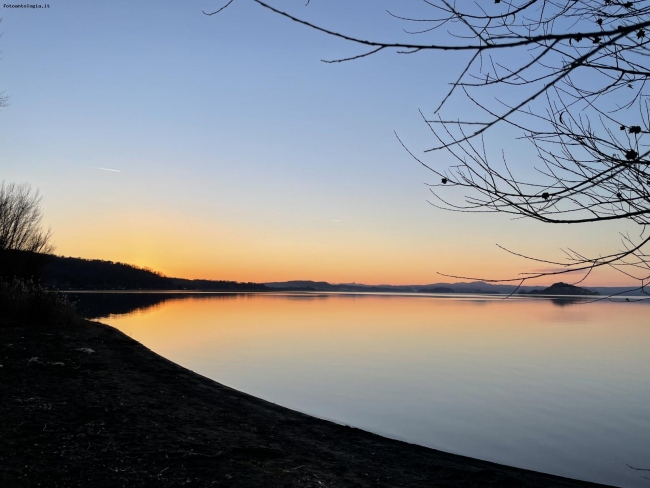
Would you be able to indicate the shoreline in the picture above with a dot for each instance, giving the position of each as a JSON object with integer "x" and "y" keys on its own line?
{"x": 124, "y": 416}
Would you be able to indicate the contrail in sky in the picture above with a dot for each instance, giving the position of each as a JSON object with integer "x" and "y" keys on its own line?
{"x": 108, "y": 169}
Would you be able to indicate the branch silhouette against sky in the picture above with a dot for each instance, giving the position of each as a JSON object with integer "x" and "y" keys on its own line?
{"x": 569, "y": 75}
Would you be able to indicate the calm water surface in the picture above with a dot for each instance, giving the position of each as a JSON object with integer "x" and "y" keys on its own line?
{"x": 560, "y": 388}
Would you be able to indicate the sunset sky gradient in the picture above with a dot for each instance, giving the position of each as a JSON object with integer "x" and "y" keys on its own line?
{"x": 223, "y": 148}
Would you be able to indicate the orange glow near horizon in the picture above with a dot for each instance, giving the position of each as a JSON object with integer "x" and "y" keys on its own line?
{"x": 261, "y": 170}
{"x": 246, "y": 263}
{"x": 196, "y": 247}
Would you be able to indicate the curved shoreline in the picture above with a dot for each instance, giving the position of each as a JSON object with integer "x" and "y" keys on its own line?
{"x": 125, "y": 416}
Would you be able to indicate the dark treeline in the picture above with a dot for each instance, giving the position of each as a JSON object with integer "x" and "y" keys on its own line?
{"x": 22, "y": 264}
{"x": 63, "y": 273}
{"x": 82, "y": 274}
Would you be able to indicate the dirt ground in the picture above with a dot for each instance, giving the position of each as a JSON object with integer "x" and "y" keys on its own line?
{"x": 123, "y": 416}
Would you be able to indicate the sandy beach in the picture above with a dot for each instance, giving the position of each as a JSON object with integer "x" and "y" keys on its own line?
{"x": 85, "y": 405}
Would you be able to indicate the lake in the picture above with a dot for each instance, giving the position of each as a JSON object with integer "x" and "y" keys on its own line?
{"x": 555, "y": 386}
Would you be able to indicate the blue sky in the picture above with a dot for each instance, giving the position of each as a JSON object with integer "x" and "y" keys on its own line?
{"x": 240, "y": 154}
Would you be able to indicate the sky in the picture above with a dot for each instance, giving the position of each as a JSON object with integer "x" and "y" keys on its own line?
{"x": 222, "y": 147}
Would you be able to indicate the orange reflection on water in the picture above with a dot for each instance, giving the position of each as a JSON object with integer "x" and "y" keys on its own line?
{"x": 560, "y": 388}
{"x": 308, "y": 325}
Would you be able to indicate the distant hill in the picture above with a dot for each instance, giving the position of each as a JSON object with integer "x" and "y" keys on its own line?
{"x": 561, "y": 289}
{"x": 307, "y": 285}
{"x": 475, "y": 287}
{"x": 64, "y": 273}
{"x": 297, "y": 284}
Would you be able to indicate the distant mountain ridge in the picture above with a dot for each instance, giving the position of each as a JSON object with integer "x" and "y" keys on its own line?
{"x": 475, "y": 287}
{"x": 472, "y": 287}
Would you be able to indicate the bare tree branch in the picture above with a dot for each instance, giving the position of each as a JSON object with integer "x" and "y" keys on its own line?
{"x": 20, "y": 220}
{"x": 577, "y": 80}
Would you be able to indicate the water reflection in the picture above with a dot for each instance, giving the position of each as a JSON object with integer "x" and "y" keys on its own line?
{"x": 526, "y": 382}
{"x": 96, "y": 305}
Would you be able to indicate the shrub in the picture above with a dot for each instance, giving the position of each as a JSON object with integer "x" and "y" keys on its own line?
{"x": 27, "y": 301}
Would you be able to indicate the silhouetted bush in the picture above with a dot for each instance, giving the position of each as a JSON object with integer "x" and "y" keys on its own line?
{"x": 31, "y": 304}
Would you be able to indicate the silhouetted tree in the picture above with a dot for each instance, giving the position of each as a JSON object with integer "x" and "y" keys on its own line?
{"x": 20, "y": 220}
{"x": 23, "y": 242}
{"x": 576, "y": 75}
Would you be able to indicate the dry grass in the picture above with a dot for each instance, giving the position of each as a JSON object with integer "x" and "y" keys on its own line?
{"x": 29, "y": 302}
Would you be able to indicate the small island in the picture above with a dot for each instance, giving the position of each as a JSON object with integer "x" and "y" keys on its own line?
{"x": 561, "y": 289}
